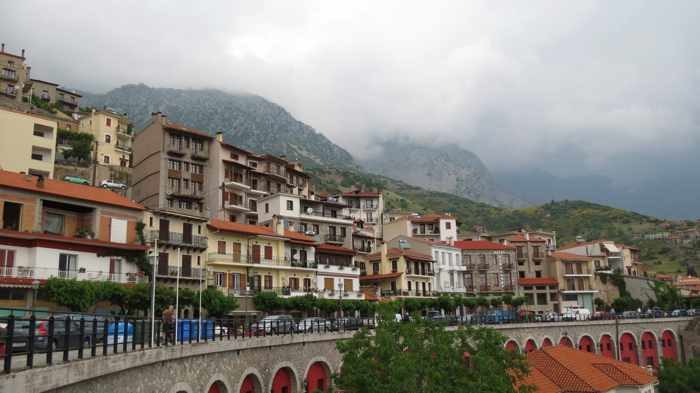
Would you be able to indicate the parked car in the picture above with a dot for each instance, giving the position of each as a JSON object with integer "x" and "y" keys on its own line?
{"x": 76, "y": 180}
{"x": 692, "y": 312}
{"x": 314, "y": 325}
{"x": 551, "y": 317}
{"x": 576, "y": 313}
{"x": 112, "y": 184}
{"x": 346, "y": 324}
{"x": 274, "y": 324}
{"x": 679, "y": 313}
{"x": 630, "y": 314}
{"x": 59, "y": 341}
{"x": 435, "y": 315}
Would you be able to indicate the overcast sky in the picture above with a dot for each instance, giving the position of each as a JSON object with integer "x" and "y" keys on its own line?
{"x": 574, "y": 87}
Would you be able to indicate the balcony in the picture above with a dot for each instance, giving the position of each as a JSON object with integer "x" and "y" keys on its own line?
{"x": 417, "y": 293}
{"x": 411, "y": 272}
{"x": 340, "y": 268}
{"x": 366, "y": 249}
{"x": 176, "y": 149}
{"x": 181, "y": 192}
{"x": 507, "y": 266}
{"x": 10, "y": 92}
{"x": 200, "y": 154}
{"x": 214, "y": 257}
{"x": 577, "y": 273}
{"x": 177, "y": 239}
{"x": 9, "y": 76}
{"x": 123, "y": 147}
{"x": 237, "y": 183}
{"x": 417, "y": 232}
{"x": 522, "y": 255}
{"x": 34, "y": 273}
{"x": 331, "y": 238}
{"x": 482, "y": 266}
{"x": 185, "y": 272}
{"x": 320, "y": 213}
{"x": 470, "y": 266}
{"x": 236, "y": 206}
{"x": 484, "y": 288}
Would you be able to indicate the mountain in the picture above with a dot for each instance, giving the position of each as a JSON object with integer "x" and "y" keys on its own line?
{"x": 246, "y": 120}
{"x": 445, "y": 168}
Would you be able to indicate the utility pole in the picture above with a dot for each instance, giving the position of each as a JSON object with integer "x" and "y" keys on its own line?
{"x": 153, "y": 290}
{"x": 94, "y": 165}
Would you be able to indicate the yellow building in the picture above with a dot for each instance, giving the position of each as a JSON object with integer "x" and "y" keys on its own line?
{"x": 245, "y": 259}
{"x": 112, "y": 135}
{"x": 398, "y": 272}
{"x": 14, "y": 75}
{"x": 27, "y": 142}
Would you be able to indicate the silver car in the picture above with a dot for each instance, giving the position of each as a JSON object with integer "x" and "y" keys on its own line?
{"x": 314, "y": 325}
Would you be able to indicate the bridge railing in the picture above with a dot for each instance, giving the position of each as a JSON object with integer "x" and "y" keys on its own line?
{"x": 27, "y": 342}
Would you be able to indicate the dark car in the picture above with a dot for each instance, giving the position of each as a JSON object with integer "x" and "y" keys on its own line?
{"x": 347, "y": 323}
{"x": 274, "y": 324}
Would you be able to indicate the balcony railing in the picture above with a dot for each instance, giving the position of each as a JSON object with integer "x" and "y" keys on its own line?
{"x": 470, "y": 266}
{"x": 326, "y": 214}
{"x": 182, "y": 192}
{"x": 337, "y": 294}
{"x": 261, "y": 260}
{"x": 330, "y": 238}
{"x": 200, "y": 154}
{"x": 482, "y": 266}
{"x": 39, "y": 273}
{"x": 349, "y": 268}
{"x": 9, "y": 77}
{"x": 419, "y": 273}
{"x": 415, "y": 292}
{"x": 507, "y": 266}
{"x": 185, "y": 272}
{"x": 123, "y": 146}
{"x": 177, "y": 239}
{"x": 484, "y": 288}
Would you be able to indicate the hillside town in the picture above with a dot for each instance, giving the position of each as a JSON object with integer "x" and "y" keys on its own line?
{"x": 86, "y": 196}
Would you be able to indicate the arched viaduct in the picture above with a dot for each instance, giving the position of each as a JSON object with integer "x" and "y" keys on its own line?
{"x": 305, "y": 362}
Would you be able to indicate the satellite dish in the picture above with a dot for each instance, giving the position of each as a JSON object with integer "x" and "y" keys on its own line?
{"x": 309, "y": 210}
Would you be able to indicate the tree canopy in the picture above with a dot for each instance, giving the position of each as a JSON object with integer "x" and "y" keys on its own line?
{"x": 422, "y": 356}
{"x": 679, "y": 378}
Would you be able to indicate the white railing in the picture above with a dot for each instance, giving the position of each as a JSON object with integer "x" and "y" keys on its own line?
{"x": 39, "y": 273}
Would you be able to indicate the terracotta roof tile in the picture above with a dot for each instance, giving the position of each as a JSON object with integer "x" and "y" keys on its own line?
{"x": 334, "y": 249}
{"x": 567, "y": 256}
{"x": 480, "y": 245}
{"x": 249, "y": 229}
{"x": 66, "y": 190}
{"x": 34, "y": 236}
{"x": 397, "y": 252}
{"x": 385, "y": 276}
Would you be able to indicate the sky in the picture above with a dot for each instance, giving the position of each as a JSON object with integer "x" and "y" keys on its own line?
{"x": 572, "y": 87}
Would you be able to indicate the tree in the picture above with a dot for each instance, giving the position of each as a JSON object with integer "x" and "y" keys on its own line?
{"x": 600, "y": 304}
{"x": 217, "y": 304}
{"x": 679, "y": 378}
{"x": 423, "y": 357}
{"x": 74, "y": 294}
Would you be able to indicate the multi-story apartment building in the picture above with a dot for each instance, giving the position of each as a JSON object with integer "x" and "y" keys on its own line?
{"x": 244, "y": 177}
{"x": 113, "y": 136}
{"x": 27, "y": 142}
{"x": 14, "y": 75}
{"x": 246, "y": 259}
{"x": 531, "y": 249}
{"x": 337, "y": 275}
{"x": 575, "y": 273}
{"x": 66, "y": 100}
{"x": 398, "y": 272}
{"x": 50, "y": 228}
{"x": 169, "y": 178}
{"x": 322, "y": 219}
{"x": 441, "y": 227}
{"x": 366, "y": 208}
{"x": 489, "y": 267}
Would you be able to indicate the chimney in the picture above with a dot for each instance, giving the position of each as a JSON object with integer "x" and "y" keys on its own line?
{"x": 22, "y": 52}
{"x": 2, "y": 49}
{"x": 278, "y": 225}
{"x": 384, "y": 251}
{"x": 220, "y": 137}
{"x": 527, "y": 236}
{"x": 158, "y": 117}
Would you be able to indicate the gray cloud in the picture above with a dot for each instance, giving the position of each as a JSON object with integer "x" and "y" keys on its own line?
{"x": 567, "y": 86}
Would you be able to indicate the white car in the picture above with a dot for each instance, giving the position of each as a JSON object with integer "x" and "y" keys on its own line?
{"x": 112, "y": 184}
{"x": 576, "y": 313}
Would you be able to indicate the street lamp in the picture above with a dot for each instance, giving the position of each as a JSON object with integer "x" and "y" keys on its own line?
{"x": 340, "y": 298}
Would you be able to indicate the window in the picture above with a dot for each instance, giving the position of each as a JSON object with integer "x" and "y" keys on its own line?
{"x": 268, "y": 253}
{"x": 221, "y": 247}
{"x": 267, "y": 208}
{"x": 150, "y": 222}
{"x": 37, "y": 156}
{"x": 106, "y": 159}
{"x": 394, "y": 267}
{"x": 53, "y": 223}
{"x": 290, "y": 205}
{"x": 42, "y": 130}
{"x": 448, "y": 225}
{"x": 521, "y": 274}
{"x": 268, "y": 282}
{"x": 67, "y": 265}
{"x": 342, "y": 232}
{"x": 541, "y": 298}
{"x": 316, "y": 230}
{"x": 108, "y": 121}
{"x": 538, "y": 273}
{"x": 108, "y": 138}
{"x": 11, "y": 216}
{"x": 328, "y": 284}
{"x": 220, "y": 279}
{"x": 375, "y": 268}
{"x": 294, "y": 283}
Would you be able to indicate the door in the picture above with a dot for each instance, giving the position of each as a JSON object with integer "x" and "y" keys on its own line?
{"x": 328, "y": 284}
{"x": 236, "y": 251}
{"x": 257, "y": 284}
{"x": 163, "y": 263}
{"x": 164, "y": 230}
{"x": 7, "y": 262}
{"x": 186, "y": 266}
{"x": 11, "y": 216}
{"x": 187, "y": 233}
{"x": 256, "y": 253}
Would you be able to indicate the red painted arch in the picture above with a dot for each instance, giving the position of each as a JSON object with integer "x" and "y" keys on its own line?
{"x": 249, "y": 385}
{"x": 650, "y": 353}
{"x": 565, "y": 341}
{"x": 217, "y": 387}
{"x": 628, "y": 349}
{"x": 512, "y": 346}
{"x": 318, "y": 378}
{"x": 607, "y": 346}
{"x": 546, "y": 342}
{"x": 669, "y": 347}
{"x": 530, "y": 346}
{"x": 283, "y": 381}
{"x": 586, "y": 344}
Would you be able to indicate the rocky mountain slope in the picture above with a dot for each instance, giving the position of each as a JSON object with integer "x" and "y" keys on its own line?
{"x": 449, "y": 169}
{"x": 246, "y": 120}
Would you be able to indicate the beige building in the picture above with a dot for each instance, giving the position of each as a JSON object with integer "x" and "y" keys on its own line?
{"x": 27, "y": 142}
{"x": 169, "y": 178}
{"x": 576, "y": 275}
{"x": 396, "y": 272}
{"x": 51, "y": 93}
{"x": 14, "y": 74}
{"x": 112, "y": 136}
{"x": 488, "y": 267}
{"x": 425, "y": 226}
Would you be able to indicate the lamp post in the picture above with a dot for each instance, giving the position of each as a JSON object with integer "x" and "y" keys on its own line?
{"x": 153, "y": 290}
{"x": 340, "y": 299}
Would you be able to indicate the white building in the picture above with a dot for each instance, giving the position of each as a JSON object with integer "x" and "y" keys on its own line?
{"x": 441, "y": 227}
{"x": 449, "y": 269}
{"x": 337, "y": 276}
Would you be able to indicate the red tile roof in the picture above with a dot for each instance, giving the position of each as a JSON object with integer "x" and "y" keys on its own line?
{"x": 567, "y": 256}
{"x": 385, "y": 276}
{"x": 562, "y": 369}
{"x": 521, "y": 238}
{"x": 238, "y": 227}
{"x": 480, "y": 245}
{"x": 397, "y": 252}
{"x": 432, "y": 217}
{"x": 334, "y": 249}
{"x": 362, "y": 194}
{"x": 66, "y": 190}
{"x": 537, "y": 281}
